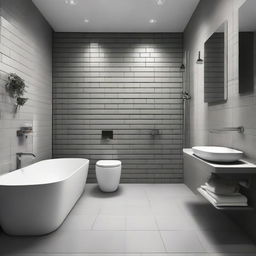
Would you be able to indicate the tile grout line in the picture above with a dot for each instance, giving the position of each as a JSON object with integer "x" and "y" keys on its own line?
{"x": 96, "y": 216}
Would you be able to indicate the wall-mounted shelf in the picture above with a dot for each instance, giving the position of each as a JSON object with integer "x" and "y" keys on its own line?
{"x": 239, "y": 167}
{"x": 224, "y": 208}
{"x": 197, "y": 171}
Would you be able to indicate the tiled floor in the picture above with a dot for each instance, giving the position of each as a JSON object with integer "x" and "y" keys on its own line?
{"x": 149, "y": 220}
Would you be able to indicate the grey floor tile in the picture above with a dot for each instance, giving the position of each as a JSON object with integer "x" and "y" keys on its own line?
{"x": 208, "y": 222}
{"x": 128, "y": 223}
{"x": 92, "y": 242}
{"x": 78, "y": 222}
{"x": 226, "y": 242}
{"x": 205, "y": 217}
{"x": 86, "y": 206}
{"x": 69, "y": 242}
{"x": 141, "y": 223}
{"x": 182, "y": 241}
{"x": 165, "y": 208}
{"x": 144, "y": 242}
{"x": 194, "y": 206}
{"x": 109, "y": 222}
{"x": 126, "y": 210}
{"x": 175, "y": 222}
{"x": 160, "y": 191}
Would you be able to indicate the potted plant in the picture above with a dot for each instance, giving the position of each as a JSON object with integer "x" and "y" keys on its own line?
{"x": 16, "y": 88}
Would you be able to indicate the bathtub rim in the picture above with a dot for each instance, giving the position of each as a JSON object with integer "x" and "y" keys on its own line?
{"x": 48, "y": 183}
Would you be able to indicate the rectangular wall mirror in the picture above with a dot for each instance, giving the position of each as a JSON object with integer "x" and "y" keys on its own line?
{"x": 215, "y": 66}
{"x": 247, "y": 30}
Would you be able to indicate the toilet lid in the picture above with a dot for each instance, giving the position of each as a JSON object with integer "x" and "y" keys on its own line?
{"x": 108, "y": 163}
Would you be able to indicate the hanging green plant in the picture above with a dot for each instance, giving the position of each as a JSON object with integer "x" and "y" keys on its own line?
{"x": 21, "y": 101}
{"x": 16, "y": 88}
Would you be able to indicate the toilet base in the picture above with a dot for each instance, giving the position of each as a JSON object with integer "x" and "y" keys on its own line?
{"x": 108, "y": 178}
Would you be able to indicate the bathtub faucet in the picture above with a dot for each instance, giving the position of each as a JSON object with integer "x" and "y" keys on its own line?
{"x": 18, "y": 158}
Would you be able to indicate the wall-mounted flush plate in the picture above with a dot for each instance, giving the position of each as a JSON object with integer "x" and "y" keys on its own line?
{"x": 107, "y": 135}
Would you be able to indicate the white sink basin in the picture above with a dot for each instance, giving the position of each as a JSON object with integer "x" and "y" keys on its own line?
{"x": 217, "y": 154}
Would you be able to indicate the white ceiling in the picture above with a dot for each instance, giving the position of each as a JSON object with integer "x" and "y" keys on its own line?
{"x": 117, "y": 15}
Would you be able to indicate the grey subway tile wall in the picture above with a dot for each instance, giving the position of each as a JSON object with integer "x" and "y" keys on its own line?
{"x": 128, "y": 83}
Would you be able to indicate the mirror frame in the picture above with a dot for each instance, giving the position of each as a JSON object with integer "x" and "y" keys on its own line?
{"x": 225, "y": 96}
{"x": 246, "y": 57}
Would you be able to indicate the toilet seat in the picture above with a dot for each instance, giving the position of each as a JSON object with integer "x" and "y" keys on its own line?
{"x": 108, "y": 163}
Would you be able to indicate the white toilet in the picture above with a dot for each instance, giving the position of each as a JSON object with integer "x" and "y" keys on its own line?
{"x": 108, "y": 173}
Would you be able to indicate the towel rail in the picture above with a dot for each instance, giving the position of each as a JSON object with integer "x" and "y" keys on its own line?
{"x": 239, "y": 129}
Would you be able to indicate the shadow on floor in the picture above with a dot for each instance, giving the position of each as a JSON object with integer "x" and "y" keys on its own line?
{"x": 96, "y": 192}
{"x": 216, "y": 227}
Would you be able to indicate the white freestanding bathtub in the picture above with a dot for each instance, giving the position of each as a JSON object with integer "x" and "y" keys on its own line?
{"x": 36, "y": 199}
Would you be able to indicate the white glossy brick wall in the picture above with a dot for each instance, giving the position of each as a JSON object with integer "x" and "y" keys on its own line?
{"x": 238, "y": 110}
{"x": 25, "y": 49}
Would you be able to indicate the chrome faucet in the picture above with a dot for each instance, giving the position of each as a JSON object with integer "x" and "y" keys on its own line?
{"x": 18, "y": 158}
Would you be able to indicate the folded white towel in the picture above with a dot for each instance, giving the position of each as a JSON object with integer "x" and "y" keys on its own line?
{"x": 214, "y": 202}
{"x": 234, "y": 198}
{"x": 220, "y": 186}
{"x": 206, "y": 187}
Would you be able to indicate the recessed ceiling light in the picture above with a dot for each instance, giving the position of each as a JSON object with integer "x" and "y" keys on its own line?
{"x": 71, "y": 2}
{"x": 86, "y": 21}
{"x": 152, "y": 21}
{"x": 160, "y": 2}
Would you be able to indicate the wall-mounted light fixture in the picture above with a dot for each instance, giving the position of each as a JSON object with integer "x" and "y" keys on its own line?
{"x": 199, "y": 60}
{"x": 182, "y": 68}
